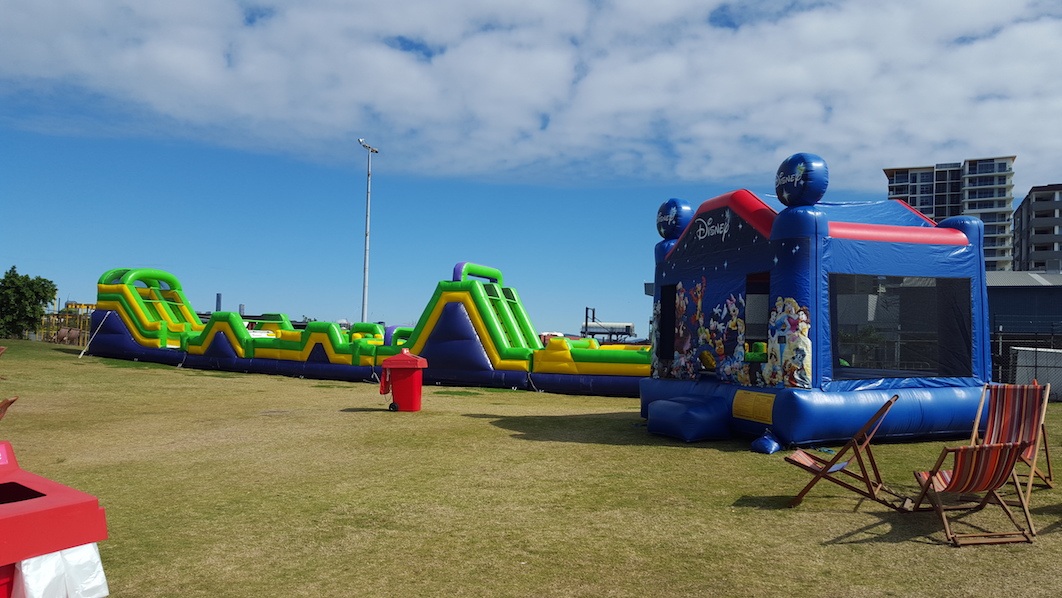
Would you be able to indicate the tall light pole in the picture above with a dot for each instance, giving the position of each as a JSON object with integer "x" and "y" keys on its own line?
{"x": 369, "y": 151}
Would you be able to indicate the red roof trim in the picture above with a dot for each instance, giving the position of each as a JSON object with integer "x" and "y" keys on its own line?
{"x": 745, "y": 204}
{"x": 887, "y": 233}
{"x": 910, "y": 207}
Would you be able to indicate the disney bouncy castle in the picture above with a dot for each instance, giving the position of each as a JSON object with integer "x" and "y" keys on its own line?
{"x": 802, "y": 316}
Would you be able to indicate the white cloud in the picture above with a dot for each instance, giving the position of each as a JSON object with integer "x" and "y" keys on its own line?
{"x": 685, "y": 90}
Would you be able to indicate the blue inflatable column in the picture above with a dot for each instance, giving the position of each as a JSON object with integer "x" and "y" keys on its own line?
{"x": 672, "y": 218}
{"x": 799, "y": 322}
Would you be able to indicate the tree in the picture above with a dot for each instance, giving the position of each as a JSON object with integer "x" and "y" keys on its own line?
{"x": 22, "y": 302}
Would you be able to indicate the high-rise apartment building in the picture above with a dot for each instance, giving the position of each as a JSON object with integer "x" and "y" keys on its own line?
{"x": 980, "y": 187}
{"x": 1038, "y": 230}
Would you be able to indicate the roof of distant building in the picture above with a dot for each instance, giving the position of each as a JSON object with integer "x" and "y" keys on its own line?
{"x": 1023, "y": 279}
{"x": 1043, "y": 188}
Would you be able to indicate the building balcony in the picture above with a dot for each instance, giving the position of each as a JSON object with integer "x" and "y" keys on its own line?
{"x": 996, "y": 235}
{"x": 986, "y": 169}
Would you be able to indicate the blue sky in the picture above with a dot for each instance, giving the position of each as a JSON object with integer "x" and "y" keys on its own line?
{"x": 217, "y": 139}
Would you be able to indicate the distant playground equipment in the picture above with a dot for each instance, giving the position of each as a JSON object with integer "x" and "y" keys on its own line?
{"x": 803, "y": 317}
{"x": 612, "y": 331}
{"x": 474, "y": 331}
{"x": 66, "y": 326}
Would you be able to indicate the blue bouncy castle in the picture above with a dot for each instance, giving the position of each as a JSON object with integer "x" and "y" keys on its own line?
{"x": 802, "y": 316}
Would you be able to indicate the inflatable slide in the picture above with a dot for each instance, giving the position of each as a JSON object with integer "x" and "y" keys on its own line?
{"x": 474, "y": 331}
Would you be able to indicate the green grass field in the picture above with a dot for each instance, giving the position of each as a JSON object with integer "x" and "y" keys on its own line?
{"x": 230, "y": 485}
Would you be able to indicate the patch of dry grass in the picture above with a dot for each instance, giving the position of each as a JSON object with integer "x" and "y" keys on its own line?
{"x": 220, "y": 484}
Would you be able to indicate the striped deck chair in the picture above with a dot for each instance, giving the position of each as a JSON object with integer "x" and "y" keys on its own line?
{"x": 852, "y": 467}
{"x": 1016, "y": 413}
{"x": 982, "y": 468}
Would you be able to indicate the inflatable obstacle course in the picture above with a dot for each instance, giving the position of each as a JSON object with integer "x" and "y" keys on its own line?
{"x": 474, "y": 331}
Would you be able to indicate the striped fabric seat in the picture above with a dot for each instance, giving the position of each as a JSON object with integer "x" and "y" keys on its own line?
{"x": 1016, "y": 414}
{"x": 802, "y": 457}
{"x": 976, "y": 469}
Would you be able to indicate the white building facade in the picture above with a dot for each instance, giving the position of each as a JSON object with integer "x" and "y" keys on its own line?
{"x": 981, "y": 187}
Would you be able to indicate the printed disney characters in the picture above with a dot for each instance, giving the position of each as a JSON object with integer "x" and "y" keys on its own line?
{"x": 788, "y": 345}
{"x": 719, "y": 345}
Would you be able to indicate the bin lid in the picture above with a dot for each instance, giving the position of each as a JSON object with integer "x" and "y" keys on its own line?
{"x": 405, "y": 360}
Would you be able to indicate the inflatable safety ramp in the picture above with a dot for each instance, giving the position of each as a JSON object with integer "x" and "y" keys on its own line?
{"x": 690, "y": 419}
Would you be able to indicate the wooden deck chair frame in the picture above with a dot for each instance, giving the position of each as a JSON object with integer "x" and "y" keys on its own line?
{"x": 982, "y": 468}
{"x": 856, "y": 455}
{"x": 1017, "y": 413}
{"x": 5, "y": 404}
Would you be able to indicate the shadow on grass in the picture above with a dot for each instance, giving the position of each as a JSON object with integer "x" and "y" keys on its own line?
{"x": 68, "y": 349}
{"x": 893, "y": 527}
{"x": 890, "y": 526}
{"x": 923, "y": 527}
{"x": 621, "y": 428}
{"x": 1051, "y": 512}
{"x": 135, "y": 365}
{"x": 764, "y": 503}
{"x": 363, "y": 409}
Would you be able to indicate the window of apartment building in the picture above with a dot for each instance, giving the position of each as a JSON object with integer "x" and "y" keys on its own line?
{"x": 1044, "y": 214}
{"x": 1044, "y": 247}
{"x": 985, "y": 194}
{"x": 925, "y": 189}
{"x": 1044, "y": 230}
{"x": 987, "y": 181}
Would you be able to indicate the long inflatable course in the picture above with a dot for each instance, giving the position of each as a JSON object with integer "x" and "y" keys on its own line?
{"x": 473, "y": 332}
{"x": 802, "y": 316}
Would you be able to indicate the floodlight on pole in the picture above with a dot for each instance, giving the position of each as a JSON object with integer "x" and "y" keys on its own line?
{"x": 369, "y": 151}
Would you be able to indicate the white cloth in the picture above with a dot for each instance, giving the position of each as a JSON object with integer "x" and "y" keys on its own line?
{"x": 72, "y": 573}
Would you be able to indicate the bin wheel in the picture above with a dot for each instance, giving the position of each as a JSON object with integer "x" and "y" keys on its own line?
{"x": 392, "y": 407}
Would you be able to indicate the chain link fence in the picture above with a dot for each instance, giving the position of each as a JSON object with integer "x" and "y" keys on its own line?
{"x": 1026, "y": 349}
